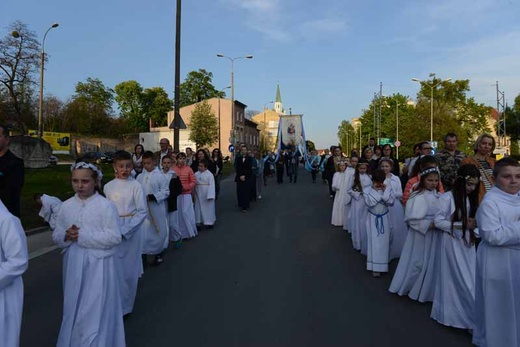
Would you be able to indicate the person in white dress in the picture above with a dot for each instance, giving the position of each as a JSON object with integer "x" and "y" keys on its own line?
{"x": 155, "y": 227}
{"x": 358, "y": 208}
{"x": 338, "y": 186}
{"x": 50, "y": 205}
{"x": 453, "y": 303}
{"x": 398, "y": 227}
{"x": 415, "y": 274}
{"x": 88, "y": 230}
{"x": 13, "y": 263}
{"x": 497, "y": 288}
{"x": 349, "y": 178}
{"x": 377, "y": 198}
{"x": 205, "y": 196}
{"x": 128, "y": 196}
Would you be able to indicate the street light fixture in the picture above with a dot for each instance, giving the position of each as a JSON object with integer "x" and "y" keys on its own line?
{"x": 219, "y": 135}
{"x": 42, "y": 62}
{"x": 233, "y": 137}
{"x": 432, "y": 87}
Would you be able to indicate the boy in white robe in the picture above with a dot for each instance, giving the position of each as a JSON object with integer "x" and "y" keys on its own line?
{"x": 13, "y": 263}
{"x": 128, "y": 196}
{"x": 377, "y": 199}
{"x": 155, "y": 227}
{"x": 497, "y": 289}
{"x": 50, "y": 205}
{"x": 87, "y": 228}
{"x": 205, "y": 196}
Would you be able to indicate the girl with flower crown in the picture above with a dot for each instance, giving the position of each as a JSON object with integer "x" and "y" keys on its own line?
{"x": 415, "y": 274}
{"x": 453, "y": 303}
{"x": 88, "y": 230}
{"x": 358, "y": 208}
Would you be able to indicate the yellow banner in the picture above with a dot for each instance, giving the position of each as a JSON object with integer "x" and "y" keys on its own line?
{"x": 58, "y": 141}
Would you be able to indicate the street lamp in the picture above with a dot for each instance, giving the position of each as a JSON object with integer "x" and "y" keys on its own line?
{"x": 397, "y": 128}
{"x": 432, "y": 87}
{"x": 219, "y": 135}
{"x": 42, "y": 62}
{"x": 265, "y": 124}
{"x": 233, "y": 91}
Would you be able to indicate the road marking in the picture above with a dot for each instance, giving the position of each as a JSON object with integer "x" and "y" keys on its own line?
{"x": 42, "y": 251}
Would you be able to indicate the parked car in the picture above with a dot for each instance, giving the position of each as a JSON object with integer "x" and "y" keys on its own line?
{"x": 53, "y": 160}
{"x": 96, "y": 158}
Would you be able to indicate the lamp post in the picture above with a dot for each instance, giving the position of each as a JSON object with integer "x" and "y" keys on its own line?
{"x": 232, "y": 60}
{"x": 432, "y": 87}
{"x": 42, "y": 62}
{"x": 397, "y": 127}
{"x": 265, "y": 125}
{"x": 219, "y": 135}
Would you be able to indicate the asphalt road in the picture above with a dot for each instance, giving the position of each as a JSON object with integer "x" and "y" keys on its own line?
{"x": 278, "y": 275}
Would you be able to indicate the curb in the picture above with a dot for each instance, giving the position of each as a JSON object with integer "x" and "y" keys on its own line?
{"x": 36, "y": 231}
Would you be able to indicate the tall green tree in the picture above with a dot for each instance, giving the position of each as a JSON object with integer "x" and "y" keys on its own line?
{"x": 90, "y": 109}
{"x": 156, "y": 105}
{"x": 129, "y": 98}
{"x": 19, "y": 63}
{"x": 198, "y": 86}
{"x": 203, "y": 125}
{"x": 138, "y": 106}
{"x": 513, "y": 125}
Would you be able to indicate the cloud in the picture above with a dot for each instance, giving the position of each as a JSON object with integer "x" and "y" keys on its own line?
{"x": 265, "y": 17}
{"x": 323, "y": 27}
{"x": 485, "y": 61}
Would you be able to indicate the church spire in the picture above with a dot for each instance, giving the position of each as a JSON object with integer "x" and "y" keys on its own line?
{"x": 278, "y": 101}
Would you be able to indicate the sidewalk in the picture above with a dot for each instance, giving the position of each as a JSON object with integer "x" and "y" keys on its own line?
{"x": 40, "y": 243}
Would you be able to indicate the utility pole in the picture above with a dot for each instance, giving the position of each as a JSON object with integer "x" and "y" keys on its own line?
{"x": 176, "y": 100}
{"x": 501, "y": 117}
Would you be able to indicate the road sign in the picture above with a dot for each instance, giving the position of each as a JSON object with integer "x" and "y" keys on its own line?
{"x": 231, "y": 148}
{"x": 397, "y": 143}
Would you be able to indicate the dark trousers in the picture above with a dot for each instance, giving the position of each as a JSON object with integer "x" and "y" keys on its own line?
{"x": 252, "y": 187}
{"x": 279, "y": 175}
{"x": 313, "y": 174}
{"x": 243, "y": 194}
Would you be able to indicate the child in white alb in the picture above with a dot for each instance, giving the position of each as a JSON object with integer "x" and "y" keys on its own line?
{"x": 205, "y": 196}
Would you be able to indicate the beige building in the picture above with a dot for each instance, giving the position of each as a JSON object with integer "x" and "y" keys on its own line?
{"x": 268, "y": 121}
{"x": 246, "y": 130}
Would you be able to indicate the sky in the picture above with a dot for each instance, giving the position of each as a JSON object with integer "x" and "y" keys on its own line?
{"x": 328, "y": 56}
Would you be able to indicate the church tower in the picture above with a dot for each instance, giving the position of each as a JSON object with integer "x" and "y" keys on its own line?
{"x": 278, "y": 101}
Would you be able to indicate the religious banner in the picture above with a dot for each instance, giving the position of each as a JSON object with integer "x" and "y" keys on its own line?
{"x": 291, "y": 138}
{"x": 291, "y": 131}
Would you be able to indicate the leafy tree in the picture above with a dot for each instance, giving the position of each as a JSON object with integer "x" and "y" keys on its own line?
{"x": 203, "y": 125}
{"x": 90, "y": 109}
{"x": 156, "y": 105}
{"x": 53, "y": 114}
{"x": 129, "y": 97}
{"x": 138, "y": 106}
{"x": 19, "y": 63}
{"x": 198, "y": 87}
{"x": 346, "y": 136}
{"x": 513, "y": 125}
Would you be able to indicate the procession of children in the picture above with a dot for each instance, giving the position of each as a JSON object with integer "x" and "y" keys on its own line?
{"x": 435, "y": 235}
{"x": 109, "y": 234}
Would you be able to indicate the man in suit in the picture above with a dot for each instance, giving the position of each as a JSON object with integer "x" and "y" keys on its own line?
{"x": 165, "y": 151}
{"x": 11, "y": 175}
{"x": 244, "y": 171}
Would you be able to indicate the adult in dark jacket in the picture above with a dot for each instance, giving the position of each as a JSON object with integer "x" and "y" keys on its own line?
{"x": 218, "y": 161}
{"x": 11, "y": 175}
{"x": 202, "y": 155}
{"x": 330, "y": 167}
{"x": 244, "y": 171}
{"x": 388, "y": 152}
